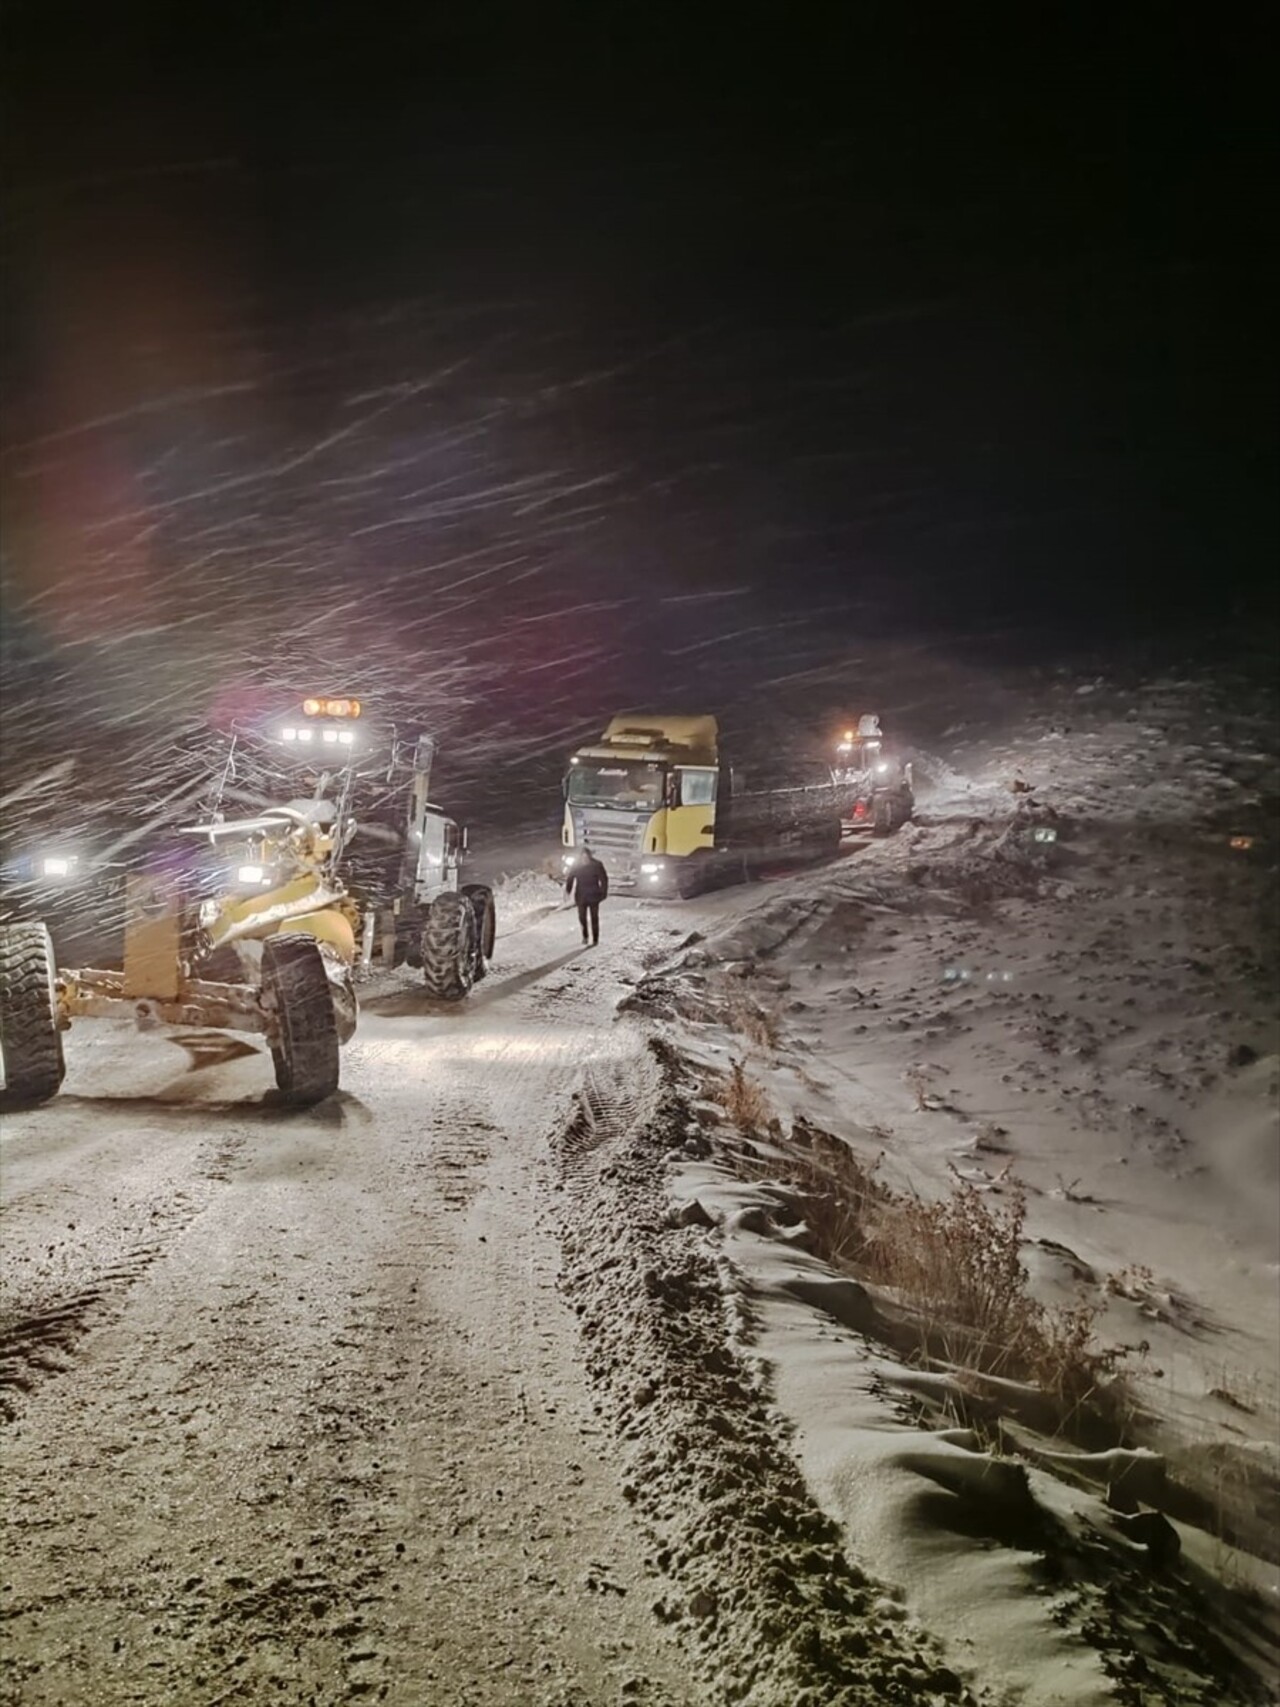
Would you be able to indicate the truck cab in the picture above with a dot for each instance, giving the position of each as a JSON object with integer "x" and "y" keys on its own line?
{"x": 656, "y": 800}
{"x": 644, "y": 797}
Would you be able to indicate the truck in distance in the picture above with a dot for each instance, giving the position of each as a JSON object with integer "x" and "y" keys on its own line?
{"x": 657, "y": 801}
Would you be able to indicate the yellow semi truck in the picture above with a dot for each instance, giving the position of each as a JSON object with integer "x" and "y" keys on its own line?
{"x": 655, "y": 800}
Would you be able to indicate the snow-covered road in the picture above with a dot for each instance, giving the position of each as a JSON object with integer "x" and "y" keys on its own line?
{"x": 296, "y": 1406}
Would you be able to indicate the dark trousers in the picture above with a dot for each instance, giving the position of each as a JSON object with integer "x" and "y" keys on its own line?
{"x": 589, "y": 909}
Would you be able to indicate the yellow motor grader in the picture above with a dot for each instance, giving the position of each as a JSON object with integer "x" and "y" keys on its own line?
{"x": 263, "y": 933}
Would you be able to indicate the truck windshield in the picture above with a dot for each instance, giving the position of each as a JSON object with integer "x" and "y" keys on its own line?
{"x": 612, "y": 784}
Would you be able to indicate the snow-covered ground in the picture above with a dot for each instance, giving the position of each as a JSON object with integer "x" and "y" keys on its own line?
{"x": 525, "y": 1373}
{"x": 1087, "y": 1024}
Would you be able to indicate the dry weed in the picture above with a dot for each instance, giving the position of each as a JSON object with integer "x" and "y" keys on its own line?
{"x": 836, "y": 1190}
{"x": 758, "y": 1022}
{"x": 954, "y": 1269}
{"x": 745, "y": 1100}
{"x": 957, "y": 1265}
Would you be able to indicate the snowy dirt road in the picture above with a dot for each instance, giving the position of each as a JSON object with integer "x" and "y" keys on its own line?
{"x": 294, "y": 1411}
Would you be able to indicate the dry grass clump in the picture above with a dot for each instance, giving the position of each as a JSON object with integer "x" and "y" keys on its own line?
{"x": 952, "y": 1268}
{"x": 838, "y": 1193}
{"x": 956, "y": 1264}
{"x": 758, "y": 1021}
{"x": 745, "y": 1100}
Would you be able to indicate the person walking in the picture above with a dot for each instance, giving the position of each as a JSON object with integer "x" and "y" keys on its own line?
{"x": 589, "y": 879}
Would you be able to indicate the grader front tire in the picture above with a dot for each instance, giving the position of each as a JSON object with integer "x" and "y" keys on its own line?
{"x": 30, "y": 1033}
{"x": 305, "y": 1051}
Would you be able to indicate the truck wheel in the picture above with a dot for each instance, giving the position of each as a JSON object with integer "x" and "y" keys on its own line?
{"x": 481, "y": 899}
{"x": 30, "y": 1035}
{"x": 885, "y": 817}
{"x": 296, "y": 986}
{"x": 449, "y": 947}
{"x": 692, "y": 875}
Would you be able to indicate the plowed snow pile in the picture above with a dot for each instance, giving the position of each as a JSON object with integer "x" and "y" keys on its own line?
{"x": 956, "y": 1189}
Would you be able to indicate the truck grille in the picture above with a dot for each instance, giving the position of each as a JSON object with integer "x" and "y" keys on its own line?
{"x": 614, "y": 838}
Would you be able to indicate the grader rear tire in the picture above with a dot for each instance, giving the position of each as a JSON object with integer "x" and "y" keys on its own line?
{"x": 30, "y": 1035}
{"x": 306, "y": 1051}
{"x": 450, "y": 947}
{"x": 481, "y": 898}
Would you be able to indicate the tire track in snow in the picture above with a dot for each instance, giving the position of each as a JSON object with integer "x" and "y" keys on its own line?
{"x": 55, "y": 1289}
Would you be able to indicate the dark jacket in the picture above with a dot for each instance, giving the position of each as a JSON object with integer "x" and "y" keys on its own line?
{"x": 590, "y": 879}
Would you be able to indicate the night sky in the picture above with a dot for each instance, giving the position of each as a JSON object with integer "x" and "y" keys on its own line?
{"x": 544, "y": 359}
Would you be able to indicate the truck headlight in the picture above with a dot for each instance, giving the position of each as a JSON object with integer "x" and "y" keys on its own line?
{"x": 58, "y": 865}
{"x": 653, "y": 867}
{"x": 253, "y": 874}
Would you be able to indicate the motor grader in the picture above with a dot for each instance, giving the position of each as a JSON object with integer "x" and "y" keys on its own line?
{"x": 255, "y": 928}
{"x": 396, "y": 856}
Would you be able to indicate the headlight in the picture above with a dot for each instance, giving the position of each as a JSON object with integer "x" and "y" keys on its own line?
{"x": 330, "y": 735}
{"x": 304, "y": 734}
{"x": 882, "y": 768}
{"x": 347, "y": 737}
{"x": 288, "y": 734}
{"x": 58, "y": 865}
{"x": 250, "y": 874}
{"x": 651, "y": 867}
